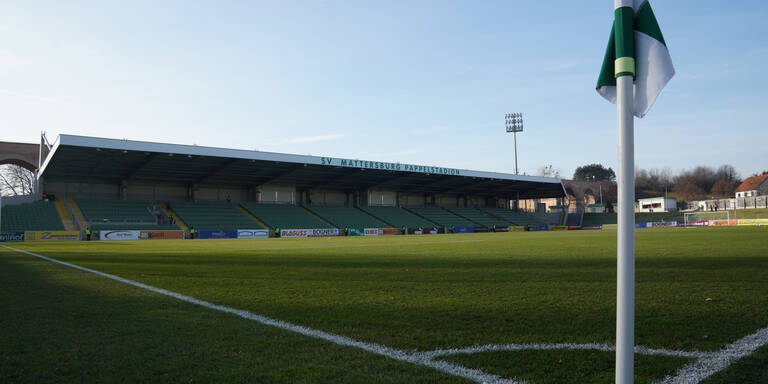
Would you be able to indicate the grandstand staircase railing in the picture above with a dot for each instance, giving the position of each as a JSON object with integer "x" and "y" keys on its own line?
{"x": 65, "y": 215}
{"x": 376, "y": 217}
{"x": 317, "y": 216}
{"x": 80, "y": 221}
{"x": 177, "y": 220}
{"x": 465, "y": 218}
{"x": 423, "y": 217}
{"x": 252, "y": 217}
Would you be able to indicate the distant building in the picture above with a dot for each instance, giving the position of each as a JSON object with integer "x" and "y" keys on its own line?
{"x": 656, "y": 204}
{"x": 753, "y": 186}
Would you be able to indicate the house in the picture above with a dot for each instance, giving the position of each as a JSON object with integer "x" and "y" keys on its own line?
{"x": 656, "y": 204}
{"x": 754, "y": 186}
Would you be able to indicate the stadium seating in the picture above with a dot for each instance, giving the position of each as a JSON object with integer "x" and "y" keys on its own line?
{"x": 284, "y": 216}
{"x": 204, "y": 216}
{"x": 37, "y": 216}
{"x": 442, "y": 218}
{"x": 512, "y": 217}
{"x": 343, "y": 216}
{"x": 398, "y": 217}
{"x": 124, "y": 211}
{"x": 479, "y": 217}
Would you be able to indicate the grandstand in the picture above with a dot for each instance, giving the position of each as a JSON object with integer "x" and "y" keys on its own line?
{"x": 145, "y": 185}
{"x": 284, "y": 216}
{"x": 212, "y": 216}
{"x": 35, "y": 216}
{"x": 397, "y": 217}
{"x": 442, "y": 217}
{"x": 479, "y": 217}
{"x": 513, "y": 218}
{"x": 346, "y": 217}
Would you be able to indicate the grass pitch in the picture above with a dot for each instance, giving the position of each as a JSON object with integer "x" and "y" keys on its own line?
{"x": 697, "y": 289}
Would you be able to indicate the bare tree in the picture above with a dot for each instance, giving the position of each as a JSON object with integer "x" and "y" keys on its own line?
{"x": 548, "y": 171}
{"x": 16, "y": 180}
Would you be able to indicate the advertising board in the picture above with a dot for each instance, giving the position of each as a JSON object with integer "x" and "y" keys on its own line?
{"x": 372, "y": 232}
{"x": 608, "y": 226}
{"x": 317, "y": 232}
{"x": 217, "y": 234}
{"x": 517, "y": 228}
{"x": 753, "y": 221}
{"x": 720, "y": 223}
{"x": 558, "y": 227}
{"x": 390, "y": 231}
{"x": 641, "y": 225}
{"x": 11, "y": 236}
{"x": 463, "y": 229}
{"x": 118, "y": 234}
{"x": 539, "y": 228}
{"x": 660, "y": 224}
{"x": 502, "y": 228}
{"x": 160, "y": 235}
{"x": 591, "y": 227}
{"x": 51, "y": 235}
{"x": 252, "y": 233}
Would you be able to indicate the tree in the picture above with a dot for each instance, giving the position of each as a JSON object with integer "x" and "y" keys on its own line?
{"x": 723, "y": 188}
{"x": 548, "y": 171}
{"x": 594, "y": 172}
{"x": 16, "y": 180}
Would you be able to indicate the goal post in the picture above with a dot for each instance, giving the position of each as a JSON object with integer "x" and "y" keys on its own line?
{"x": 689, "y": 217}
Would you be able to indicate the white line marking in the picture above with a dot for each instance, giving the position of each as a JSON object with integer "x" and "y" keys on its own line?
{"x": 714, "y": 362}
{"x": 706, "y": 364}
{"x": 561, "y": 346}
{"x": 411, "y": 357}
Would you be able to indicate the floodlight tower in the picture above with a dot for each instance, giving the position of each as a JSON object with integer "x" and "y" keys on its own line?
{"x": 514, "y": 124}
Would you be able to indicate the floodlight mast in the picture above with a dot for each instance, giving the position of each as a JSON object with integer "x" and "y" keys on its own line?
{"x": 514, "y": 124}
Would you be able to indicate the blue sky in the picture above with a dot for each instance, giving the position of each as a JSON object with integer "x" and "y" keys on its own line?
{"x": 410, "y": 81}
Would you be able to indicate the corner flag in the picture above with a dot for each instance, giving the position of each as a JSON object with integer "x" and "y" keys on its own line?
{"x": 648, "y": 52}
{"x": 635, "y": 69}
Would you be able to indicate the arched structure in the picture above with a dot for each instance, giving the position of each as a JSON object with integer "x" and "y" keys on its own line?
{"x": 579, "y": 190}
{"x": 21, "y": 154}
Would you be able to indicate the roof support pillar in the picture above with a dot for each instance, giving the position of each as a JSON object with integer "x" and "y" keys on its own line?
{"x": 123, "y": 189}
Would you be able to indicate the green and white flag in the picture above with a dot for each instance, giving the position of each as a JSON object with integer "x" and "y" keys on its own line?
{"x": 636, "y": 47}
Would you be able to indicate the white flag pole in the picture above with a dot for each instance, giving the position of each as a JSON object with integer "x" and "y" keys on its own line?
{"x": 625, "y": 289}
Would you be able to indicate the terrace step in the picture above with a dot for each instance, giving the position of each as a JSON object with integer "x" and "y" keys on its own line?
{"x": 66, "y": 218}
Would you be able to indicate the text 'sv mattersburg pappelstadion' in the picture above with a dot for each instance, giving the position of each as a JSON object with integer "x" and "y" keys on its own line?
{"x": 636, "y": 67}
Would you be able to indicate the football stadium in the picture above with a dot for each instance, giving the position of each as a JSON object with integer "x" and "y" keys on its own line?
{"x": 145, "y": 261}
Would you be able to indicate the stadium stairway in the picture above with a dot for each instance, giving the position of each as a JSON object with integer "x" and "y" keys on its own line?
{"x": 252, "y": 217}
{"x": 66, "y": 218}
{"x": 72, "y": 206}
{"x": 326, "y": 222}
{"x": 176, "y": 218}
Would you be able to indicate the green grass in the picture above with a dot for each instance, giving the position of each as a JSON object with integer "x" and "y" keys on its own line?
{"x": 643, "y": 217}
{"x": 407, "y": 292}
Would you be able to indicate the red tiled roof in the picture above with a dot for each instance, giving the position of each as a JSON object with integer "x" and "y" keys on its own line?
{"x": 752, "y": 183}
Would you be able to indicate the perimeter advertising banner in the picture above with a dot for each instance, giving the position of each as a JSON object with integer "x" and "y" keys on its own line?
{"x": 390, "y": 231}
{"x": 723, "y": 222}
{"x": 539, "y": 228}
{"x": 218, "y": 234}
{"x": 51, "y": 236}
{"x": 591, "y": 227}
{"x": 753, "y": 221}
{"x": 660, "y": 224}
{"x": 517, "y": 228}
{"x": 118, "y": 234}
{"x": 464, "y": 230}
{"x": 160, "y": 235}
{"x": 323, "y": 232}
{"x": 558, "y": 227}
{"x": 11, "y": 236}
{"x": 252, "y": 233}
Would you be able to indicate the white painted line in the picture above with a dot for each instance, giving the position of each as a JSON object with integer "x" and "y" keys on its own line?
{"x": 706, "y": 364}
{"x": 561, "y": 346}
{"x": 411, "y": 357}
{"x": 717, "y": 361}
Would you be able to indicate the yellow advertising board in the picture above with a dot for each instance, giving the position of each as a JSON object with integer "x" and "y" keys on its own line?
{"x": 610, "y": 226}
{"x": 517, "y": 228}
{"x": 753, "y": 221}
{"x": 51, "y": 235}
{"x": 558, "y": 227}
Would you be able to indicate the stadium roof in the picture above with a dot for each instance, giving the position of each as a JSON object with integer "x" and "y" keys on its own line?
{"x": 90, "y": 159}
